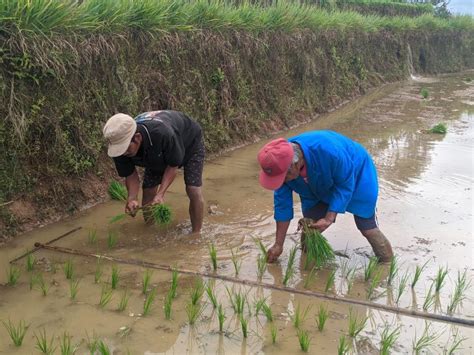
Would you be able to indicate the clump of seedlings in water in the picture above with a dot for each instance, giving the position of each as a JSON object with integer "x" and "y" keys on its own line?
{"x": 221, "y": 317}
{"x": 115, "y": 277}
{"x": 303, "y": 338}
{"x": 440, "y": 128}
{"x": 440, "y": 278}
{"x": 259, "y": 304}
{"x": 42, "y": 284}
{"x": 374, "y": 283}
{"x": 343, "y": 346}
{"x": 92, "y": 342}
{"x": 16, "y": 332}
{"x": 418, "y": 271}
{"x": 98, "y": 272}
{"x": 322, "y": 317}
{"x": 261, "y": 246}
{"x": 462, "y": 284}
{"x": 267, "y": 311}
{"x": 244, "y": 325}
{"x": 105, "y": 296}
{"x": 318, "y": 249}
{"x": 146, "y": 280}
{"x": 236, "y": 262}
{"x": 42, "y": 343}
{"x": 66, "y": 346}
{"x": 174, "y": 283}
{"x": 13, "y": 274}
{"x": 92, "y": 237}
{"x": 193, "y": 311}
{"x": 370, "y": 268}
{"x": 111, "y": 239}
{"x": 310, "y": 278}
{"x": 426, "y": 341}
{"x": 73, "y": 288}
{"x": 455, "y": 344}
{"x": 123, "y": 301}
{"x": 147, "y": 304}
{"x": 160, "y": 213}
{"x": 117, "y": 218}
{"x": 356, "y": 325}
{"x": 103, "y": 348}
{"x": 30, "y": 262}
{"x": 388, "y": 338}
{"x": 424, "y": 93}
{"x": 261, "y": 265}
{"x": 273, "y": 333}
{"x": 350, "y": 278}
{"x": 237, "y": 300}
{"x": 168, "y": 304}
{"x": 393, "y": 270}
{"x": 330, "y": 281}
{"x": 300, "y": 316}
{"x": 117, "y": 191}
{"x": 211, "y": 294}
{"x": 197, "y": 292}
{"x": 402, "y": 285}
{"x": 429, "y": 299}
{"x": 213, "y": 255}
{"x": 290, "y": 267}
{"x": 69, "y": 269}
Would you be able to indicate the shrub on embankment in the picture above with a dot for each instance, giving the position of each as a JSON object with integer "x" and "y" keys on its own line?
{"x": 240, "y": 71}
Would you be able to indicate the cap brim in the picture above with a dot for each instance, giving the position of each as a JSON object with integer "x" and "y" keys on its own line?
{"x": 271, "y": 182}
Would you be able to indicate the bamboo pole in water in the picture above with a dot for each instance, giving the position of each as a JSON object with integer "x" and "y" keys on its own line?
{"x": 334, "y": 298}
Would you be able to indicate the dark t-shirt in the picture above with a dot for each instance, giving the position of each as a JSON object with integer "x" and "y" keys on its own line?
{"x": 168, "y": 139}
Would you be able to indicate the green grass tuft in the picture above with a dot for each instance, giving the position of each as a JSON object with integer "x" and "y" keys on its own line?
{"x": 117, "y": 191}
{"x": 43, "y": 345}
{"x": 123, "y": 301}
{"x": 13, "y": 275}
{"x": 148, "y": 303}
{"x": 304, "y": 340}
{"x": 290, "y": 267}
{"x": 16, "y": 332}
{"x": 213, "y": 255}
{"x": 322, "y": 317}
{"x": 440, "y": 128}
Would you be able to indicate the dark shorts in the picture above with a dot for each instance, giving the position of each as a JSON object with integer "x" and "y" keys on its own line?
{"x": 192, "y": 170}
{"x": 320, "y": 210}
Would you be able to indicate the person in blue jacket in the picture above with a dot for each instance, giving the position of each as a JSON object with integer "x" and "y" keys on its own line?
{"x": 332, "y": 174}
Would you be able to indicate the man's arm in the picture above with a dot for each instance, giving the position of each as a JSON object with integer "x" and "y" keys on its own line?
{"x": 275, "y": 251}
{"x": 166, "y": 181}
{"x": 133, "y": 185}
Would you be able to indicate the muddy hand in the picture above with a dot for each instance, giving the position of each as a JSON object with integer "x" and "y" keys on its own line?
{"x": 274, "y": 252}
{"x": 132, "y": 207}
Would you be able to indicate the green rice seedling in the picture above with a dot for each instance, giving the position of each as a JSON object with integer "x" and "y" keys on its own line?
{"x": 30, "y": 262}
{"x": 123, "y": 301}
{"x": 455, "y": 344}
{"x": 211, "y": 294}
{"x": 267, "y": 311}
{"x": 117, "y": 191}
{"x": 174, "y": 282}
{"x": 370, "y": 267}
{"x": 150, "y": 297}
{"x": 262, "y": 247}
{"x": 343, "y": 346}
{"x": 322, "y": 317}
{"x": 13, "y": 275}
{"x": 221, "y": 317}
{"x": 92, "y": 342}
{"x": 236, "y": 262}
{"x": 16, "y": 332}
{"x": 73, "y": 288}
{"x": 290, "y": 267}
{"x": 440, "y": 128}
{"x": 440, "y": 278}
{"x": 168, "y": 304}
{"x": 103, "y": 348}
{"x": 426, "y": 340}
{"x": 42, "y": 284}
{"x": 197, "y": 292}
{"x": 161, "y": 214}
{"x": 350, "y": 279}
{"x": 330, "y": 281}
{"x": 69, "y": 269}
{"x": 65, "y": 345}
{"x": 344, "y": 266}
{"x": 388, "y": 338}
{"x": 318, "y": 249}
{"x": 105, "y": 296}
{"x": 402, "y": 285}
{"x": 92, "y": 237}
{"x": 429, "y": 299}
{"x": 43, "y": 345}
{"x": 273, "y": 332}
{"x": 237, "y": 300}
{"x": 424, "y": 93}
{"x": 459, "y": 290}
{"x": 213, "y": 255}
{"x": 356, "y": 325}
{"x": 244, "y": 325}
{"x": 303, "y": 338}
{"x": 111, "y": 239}
{"x": 117, "y": 218}
{"x": 32, "y": 281}
{"x": 115, "y": 277}
{"x": 374, "y": 283}
{"x": 146, "y": 280}
{"x": 261, "y": 265}
{"x": 259, "y": 305}
{"x": 193, "y": 311}
{"x": 418, "y": 271}
{"x": 98, "y": 272}
{"x": 300, "y": 316}
{"x": 310, "y": 278}
{"x": 393, "y": 270}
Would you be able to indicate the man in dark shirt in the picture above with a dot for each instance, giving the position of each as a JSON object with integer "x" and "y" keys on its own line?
{"x": 161, "y": 142}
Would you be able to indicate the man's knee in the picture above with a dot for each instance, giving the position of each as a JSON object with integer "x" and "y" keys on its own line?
{"x": 194, "y": 193}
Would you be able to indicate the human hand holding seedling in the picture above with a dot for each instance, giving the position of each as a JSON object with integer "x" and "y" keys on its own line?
{"x": 158, "y": 200}
{"x": 274, "y": 252}
{"x": 132, "y": 207}
{"x": 321, "y": 224}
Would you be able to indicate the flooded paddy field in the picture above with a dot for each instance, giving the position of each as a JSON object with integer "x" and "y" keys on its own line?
{"x": 425, "y": 208}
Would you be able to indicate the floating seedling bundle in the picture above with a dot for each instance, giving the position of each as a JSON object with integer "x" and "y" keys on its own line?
{"x": 318, "y": 250}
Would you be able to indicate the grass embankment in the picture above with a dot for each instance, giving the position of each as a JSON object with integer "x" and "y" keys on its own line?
{"x": 239, "y": 70}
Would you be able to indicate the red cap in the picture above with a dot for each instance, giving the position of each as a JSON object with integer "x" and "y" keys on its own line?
{"x": 275, "y": 158}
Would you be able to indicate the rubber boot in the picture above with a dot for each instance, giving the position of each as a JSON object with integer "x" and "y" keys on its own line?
{"x": 380, "y": 244}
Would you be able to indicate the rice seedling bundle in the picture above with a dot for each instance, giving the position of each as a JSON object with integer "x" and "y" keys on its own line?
{"x": 440, "y": 128}
{"x": 117, "y": 191}
{"x": 160, "y": 213}
{"x": 318, "y": 249}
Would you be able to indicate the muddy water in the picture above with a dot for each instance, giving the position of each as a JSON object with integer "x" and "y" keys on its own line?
{"x": 425, "y": 208}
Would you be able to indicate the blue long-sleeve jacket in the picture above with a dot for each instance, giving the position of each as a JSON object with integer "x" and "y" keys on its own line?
{"x": 340, "y": 173}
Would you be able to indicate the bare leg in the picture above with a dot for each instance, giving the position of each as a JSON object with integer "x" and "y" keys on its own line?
{"x": 196, "y": 207}
{"x": 380, "y": 244}
{"x": 148, "y": 196}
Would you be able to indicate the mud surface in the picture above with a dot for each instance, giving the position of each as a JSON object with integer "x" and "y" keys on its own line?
{"x": 425, "y": 208}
